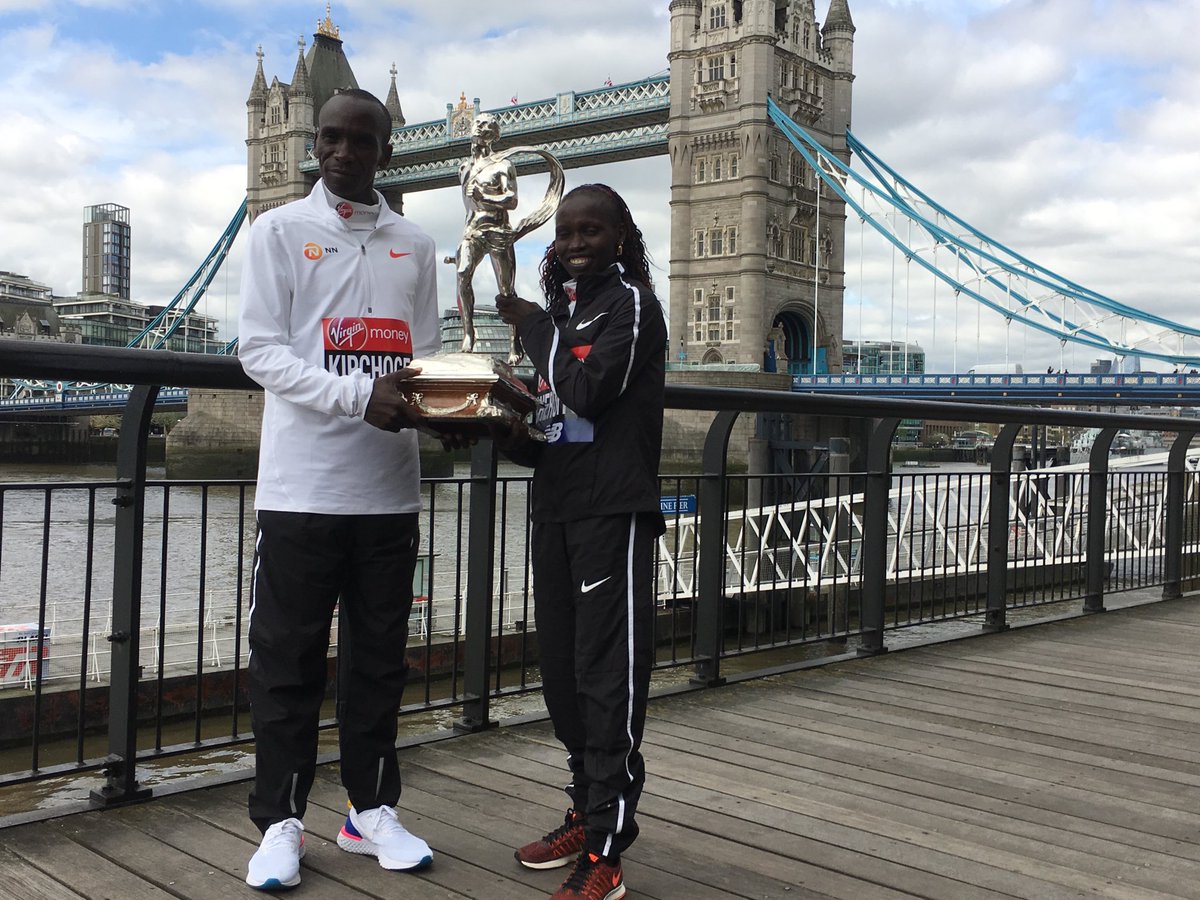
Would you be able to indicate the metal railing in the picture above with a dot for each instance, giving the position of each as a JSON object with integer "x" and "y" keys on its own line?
{"x": 133, "y": 591}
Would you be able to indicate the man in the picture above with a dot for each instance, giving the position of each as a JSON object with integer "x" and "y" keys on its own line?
{"x": 338, "y": 296}
{"x": 489, "y": 191}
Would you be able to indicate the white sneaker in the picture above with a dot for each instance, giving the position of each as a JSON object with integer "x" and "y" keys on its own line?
{"x": 276, "y": 864}
{"x": 377, "y": 832}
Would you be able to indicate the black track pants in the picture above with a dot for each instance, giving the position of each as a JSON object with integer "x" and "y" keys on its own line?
{"x": 593, "y": 597}
{"x": 304, "y": 563}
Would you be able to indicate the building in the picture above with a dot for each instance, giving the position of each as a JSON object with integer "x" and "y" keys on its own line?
{"x": 757, "y": 245}
{"x": 106, "y": 248}
{"x": 27, "y": 311}
{"x": 492, "y": 336}
{"x": 883, "y": 358}
{"x": 110, "y": 322}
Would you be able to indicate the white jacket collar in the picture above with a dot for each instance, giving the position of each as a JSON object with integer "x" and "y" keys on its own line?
{"x": 318, "y": 207}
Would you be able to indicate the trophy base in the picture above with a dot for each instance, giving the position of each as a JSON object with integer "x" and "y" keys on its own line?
{"x": 468, "y": 394}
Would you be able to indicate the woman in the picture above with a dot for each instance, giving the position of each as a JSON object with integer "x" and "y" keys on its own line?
{"x": 599, "y": 349}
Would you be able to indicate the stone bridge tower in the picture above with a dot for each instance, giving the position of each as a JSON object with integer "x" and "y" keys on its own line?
{"x": 282, "y": 119}
{"x": 757, "y": 251}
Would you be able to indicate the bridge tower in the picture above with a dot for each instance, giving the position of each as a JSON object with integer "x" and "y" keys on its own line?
{"x": 757, "y": 248}
{"x": 281, "y": 119}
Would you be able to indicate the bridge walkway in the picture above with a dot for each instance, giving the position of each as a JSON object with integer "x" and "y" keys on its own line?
{"x": 1058, "y": 761}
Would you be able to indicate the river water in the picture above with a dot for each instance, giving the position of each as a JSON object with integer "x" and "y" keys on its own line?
{"x": 56, "y": 550}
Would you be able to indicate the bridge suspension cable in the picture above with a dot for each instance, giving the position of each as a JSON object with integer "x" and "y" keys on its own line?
{"x": 159, "y": 331}
{"x": 984, "y": 269}
{"x": 161, "y": 328}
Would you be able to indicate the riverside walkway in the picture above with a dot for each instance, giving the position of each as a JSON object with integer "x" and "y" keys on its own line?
{"x": 1056, "y": 761}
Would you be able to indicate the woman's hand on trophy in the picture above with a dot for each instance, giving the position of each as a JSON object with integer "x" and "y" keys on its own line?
{"x": 389, "y": 407}
{"x": 509, "y": 434}
{"x": 513, "y": 310}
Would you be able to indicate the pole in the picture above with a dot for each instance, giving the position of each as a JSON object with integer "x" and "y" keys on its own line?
{"x": 817, "y": 276}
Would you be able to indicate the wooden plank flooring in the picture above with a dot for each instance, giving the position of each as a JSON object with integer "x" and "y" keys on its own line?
{"x": 1058, "y": 761}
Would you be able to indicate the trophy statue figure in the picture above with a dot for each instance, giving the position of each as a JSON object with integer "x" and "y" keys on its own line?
{"x": 468, "y": 393}
{"x": 489, "y": 192}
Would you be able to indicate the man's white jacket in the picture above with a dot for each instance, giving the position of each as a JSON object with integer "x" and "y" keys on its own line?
{"x": 325, "y": 310}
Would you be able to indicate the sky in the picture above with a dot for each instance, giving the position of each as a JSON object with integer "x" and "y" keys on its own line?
{"x": 1068, "y": 130}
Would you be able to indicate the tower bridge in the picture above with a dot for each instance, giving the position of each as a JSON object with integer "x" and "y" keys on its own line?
{"x": 748, "y": 222}
{"x": 754, "y": 118}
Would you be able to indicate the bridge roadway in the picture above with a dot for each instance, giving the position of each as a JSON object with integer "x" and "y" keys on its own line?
{"x": 585, "y": 128}
{"x": 92, "y": 403}
{"x": 1048, "y": 762}
{"x": 1142, "y": 388}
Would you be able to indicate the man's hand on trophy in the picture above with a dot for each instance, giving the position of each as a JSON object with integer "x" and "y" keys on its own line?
{"x": 454, "y": 440}
{"x": 388, "y": 407}
{"x": 513, "y": 310}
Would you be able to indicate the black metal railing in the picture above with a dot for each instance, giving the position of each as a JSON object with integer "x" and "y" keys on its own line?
{"x": 136, "y": 609}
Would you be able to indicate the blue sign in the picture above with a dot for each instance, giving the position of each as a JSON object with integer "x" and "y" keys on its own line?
{"x": 685, "y": 503}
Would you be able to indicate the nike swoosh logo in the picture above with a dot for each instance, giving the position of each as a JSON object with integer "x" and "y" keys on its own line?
{"x": 585, "y": 588}
{"x": 394, "y": 255}
{"x": 592, "y": 321}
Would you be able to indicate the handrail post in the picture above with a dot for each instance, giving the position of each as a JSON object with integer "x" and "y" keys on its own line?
{"x": 481, "y": 555}
{"x": 120, "y": 771}
{"x": 875, "y": 533}
{"x": 1173, "y": 515}
{"x": 995, "y": 618}
{"x": 1094, "y": 562}
{"x": 710, "y": 575}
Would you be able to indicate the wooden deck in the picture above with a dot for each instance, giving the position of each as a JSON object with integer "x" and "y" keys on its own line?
{"x": 1058, "y": 761}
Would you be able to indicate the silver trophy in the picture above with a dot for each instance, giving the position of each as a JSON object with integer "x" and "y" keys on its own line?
{"x": 489, "y": 192}
{"x": 467, "y": 392}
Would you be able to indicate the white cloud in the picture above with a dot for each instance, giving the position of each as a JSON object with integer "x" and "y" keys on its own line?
{"x": 1067, "y": 130}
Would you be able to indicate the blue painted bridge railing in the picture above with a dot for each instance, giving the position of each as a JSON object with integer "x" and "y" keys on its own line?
{"x": 1146, "y": 388}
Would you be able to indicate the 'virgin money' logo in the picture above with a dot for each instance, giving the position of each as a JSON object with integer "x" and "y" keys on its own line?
{"x": 344, "y": 209}
{"x": 313, "y": 251}
{"x": 345, "y": 334}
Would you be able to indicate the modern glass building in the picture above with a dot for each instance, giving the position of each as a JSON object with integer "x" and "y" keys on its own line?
{"x": 882, "y": 358}
{"x": 491, "y": 335}
{"x": 106, "y": 250}
{"x": 110, "y": 322}
{"x": 887, "y": 358}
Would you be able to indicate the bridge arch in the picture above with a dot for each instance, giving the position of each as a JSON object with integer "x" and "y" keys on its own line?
{"x": 790, "y": 341}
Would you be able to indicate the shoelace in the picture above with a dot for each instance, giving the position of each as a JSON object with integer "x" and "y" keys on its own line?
{"x": 580, "y": 874}
{"x": 560, "y": 833}
{"x": 388, "y": 820}
{"x": 283, "y": 834}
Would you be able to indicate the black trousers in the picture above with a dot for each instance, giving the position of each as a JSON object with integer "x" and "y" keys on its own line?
{"x": 305, "y": 562}
{"x": 593, "y": 593}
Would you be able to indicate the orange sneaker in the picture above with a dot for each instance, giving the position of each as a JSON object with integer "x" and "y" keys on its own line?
{"x": 558, "y": 847}
{"x": 593, "y": 878}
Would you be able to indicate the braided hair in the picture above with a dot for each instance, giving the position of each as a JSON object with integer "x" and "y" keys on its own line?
{"x": 633, "y": 257}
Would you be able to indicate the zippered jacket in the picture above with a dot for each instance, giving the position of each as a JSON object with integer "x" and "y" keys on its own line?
{"x": 326, "y": 310}
{"x": 601, "y": 365}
